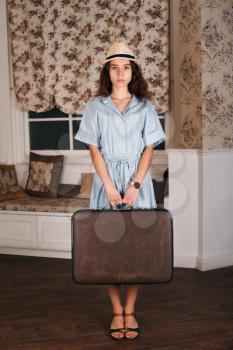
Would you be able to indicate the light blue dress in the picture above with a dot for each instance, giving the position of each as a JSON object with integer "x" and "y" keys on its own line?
{"x": 121, "y": 138}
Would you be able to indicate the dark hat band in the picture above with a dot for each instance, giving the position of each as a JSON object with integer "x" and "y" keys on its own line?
{"x": 120, "y": 55}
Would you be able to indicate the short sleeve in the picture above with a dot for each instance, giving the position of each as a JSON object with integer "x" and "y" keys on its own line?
{"x": 88, "y": 132}
{"x": 152, "y": 131}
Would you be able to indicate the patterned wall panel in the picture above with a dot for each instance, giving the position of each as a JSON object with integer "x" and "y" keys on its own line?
{"x": 206, "y": 74}
{"x": 217, "y": 73}
{"x": 190, "y": 74}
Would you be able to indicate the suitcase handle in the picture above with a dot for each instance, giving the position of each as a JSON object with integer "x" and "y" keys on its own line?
{"x": 121, "y": 207}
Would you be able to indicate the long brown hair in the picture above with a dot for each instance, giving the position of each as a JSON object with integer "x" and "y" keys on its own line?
{"x": 137, "y": 86}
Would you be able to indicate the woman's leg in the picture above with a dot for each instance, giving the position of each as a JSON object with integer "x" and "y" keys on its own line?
{"x": 131, "y": 297}
{"x": 114, "y": 293}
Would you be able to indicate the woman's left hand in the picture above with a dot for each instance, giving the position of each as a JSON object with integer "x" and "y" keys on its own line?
{"x": 130, "y": 196}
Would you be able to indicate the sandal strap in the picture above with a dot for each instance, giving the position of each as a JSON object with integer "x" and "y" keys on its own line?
{"x": 112, "y": 330}
{"x": 130, "y": 329}
{"x": 129, "y": 314}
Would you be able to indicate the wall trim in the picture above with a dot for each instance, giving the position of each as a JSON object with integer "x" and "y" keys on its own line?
{"x": 36, "y": 252}
{"x": 200, "y": 151}
{"x": 214, "y": 261}
{"x": 185, "y": 261}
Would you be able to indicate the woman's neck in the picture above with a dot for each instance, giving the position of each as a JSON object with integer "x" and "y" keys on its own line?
{"x": 120, "y": 94}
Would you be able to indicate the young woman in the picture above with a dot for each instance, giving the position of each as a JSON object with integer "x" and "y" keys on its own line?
{"x": 121, "y": 127}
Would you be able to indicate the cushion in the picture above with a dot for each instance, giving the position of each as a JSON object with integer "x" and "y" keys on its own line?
{"x": 37, "y": 204}
{"x": 9, "y": 188}
{"x": 158, "y": 190}
{"x": 68, "y": 190}
{"x": 44, "y": 175}
{"x": 86, "y": 185}
{"x": 165, "y": 179}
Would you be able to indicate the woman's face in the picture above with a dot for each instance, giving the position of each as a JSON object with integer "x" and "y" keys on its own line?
{"x": 120, "y": 72}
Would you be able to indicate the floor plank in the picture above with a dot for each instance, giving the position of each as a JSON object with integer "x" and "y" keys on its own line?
{"x": 42, "y": 308}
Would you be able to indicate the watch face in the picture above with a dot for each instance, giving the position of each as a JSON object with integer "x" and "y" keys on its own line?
{"x": 137, "y": 184}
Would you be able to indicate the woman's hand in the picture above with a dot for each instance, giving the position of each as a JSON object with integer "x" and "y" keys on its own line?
{"x": 113, "y": 195}
{"x": 131, "y": 196}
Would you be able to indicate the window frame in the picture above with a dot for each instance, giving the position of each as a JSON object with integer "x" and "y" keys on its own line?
{"x": 70, "y": 118}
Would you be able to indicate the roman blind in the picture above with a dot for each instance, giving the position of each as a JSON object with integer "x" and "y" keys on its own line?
{"x": 58, "y": 47}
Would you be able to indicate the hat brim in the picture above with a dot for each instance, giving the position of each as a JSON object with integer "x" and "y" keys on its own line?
{"x": 122, "y": 58}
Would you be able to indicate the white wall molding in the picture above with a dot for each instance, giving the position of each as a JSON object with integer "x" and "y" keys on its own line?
{"x": 217, "y": 213}
{"x": 201, "y": 202}
{"x": 214, "y": 261}
{"x": 185, "y": 260}
{"x": 219, "y": 152}
{"x": 183, "y": 204}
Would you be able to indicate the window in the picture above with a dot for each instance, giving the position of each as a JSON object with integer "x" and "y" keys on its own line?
{"x": 55, "y": 130}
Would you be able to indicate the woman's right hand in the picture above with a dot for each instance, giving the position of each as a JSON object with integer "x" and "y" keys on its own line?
{"x": 113, "y": 195}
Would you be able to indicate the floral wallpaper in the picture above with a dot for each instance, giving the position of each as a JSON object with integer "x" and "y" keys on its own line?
{"x": 217, "y": 73}
{"x": 190, "y": 74}
{"x": 206, "y": 74}
{"x": 58, "y": 48}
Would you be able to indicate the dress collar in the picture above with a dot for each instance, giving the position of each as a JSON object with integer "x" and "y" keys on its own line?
{"x": 109, "y": 101}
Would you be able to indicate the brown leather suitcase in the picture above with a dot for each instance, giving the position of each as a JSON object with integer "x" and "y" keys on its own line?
{"x": 122, "y": 246}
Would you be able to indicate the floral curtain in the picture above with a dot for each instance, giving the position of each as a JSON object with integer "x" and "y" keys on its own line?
{"x": 58, "y": 48}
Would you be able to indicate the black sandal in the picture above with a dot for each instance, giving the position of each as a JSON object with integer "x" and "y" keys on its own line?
{"x": 119, "y": 330}
{"x": 130, "y": 329}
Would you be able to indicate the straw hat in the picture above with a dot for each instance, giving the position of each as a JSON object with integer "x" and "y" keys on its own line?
{"x": 120, "y": 50}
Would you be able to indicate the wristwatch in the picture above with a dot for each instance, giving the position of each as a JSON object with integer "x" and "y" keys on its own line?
{"x": 135, "y": 184}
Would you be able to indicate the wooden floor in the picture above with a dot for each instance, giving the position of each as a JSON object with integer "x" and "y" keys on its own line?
{"x": 42, "y": 308}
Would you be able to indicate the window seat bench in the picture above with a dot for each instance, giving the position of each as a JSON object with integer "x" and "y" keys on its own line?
{"x": 37, "y": 226}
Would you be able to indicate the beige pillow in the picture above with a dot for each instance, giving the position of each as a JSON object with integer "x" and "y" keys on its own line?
{"x": 86, "y": 185}
{"x": 44, "y": 175}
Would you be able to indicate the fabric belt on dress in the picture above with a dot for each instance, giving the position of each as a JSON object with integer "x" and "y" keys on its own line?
{"x": 109, "y": 157}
